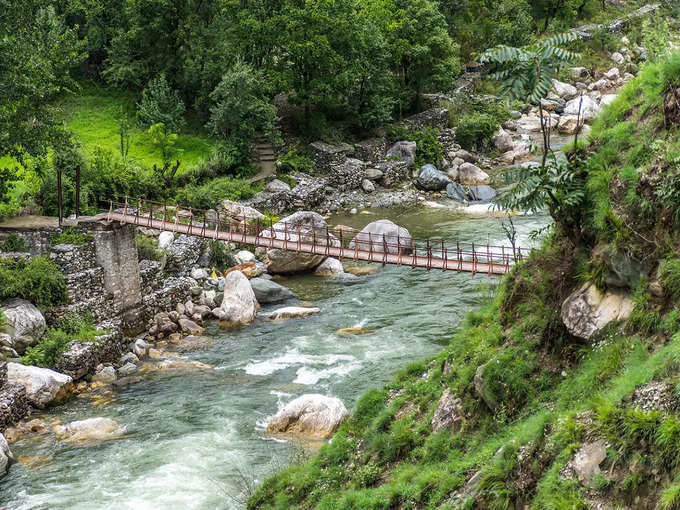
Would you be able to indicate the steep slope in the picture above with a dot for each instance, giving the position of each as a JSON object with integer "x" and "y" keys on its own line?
{"x": 517, "y": 412}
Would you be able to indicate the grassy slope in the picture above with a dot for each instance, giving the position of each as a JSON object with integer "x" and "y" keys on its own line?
{"x": 93, "y": 116}
{"x": 552, "y": 392}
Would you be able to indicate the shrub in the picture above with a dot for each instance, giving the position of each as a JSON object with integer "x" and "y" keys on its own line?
{"x": 475, "y": 131}
{"x": 161, "y": 104}
{"x": 669, "y": 277}
{"x": 56, "y": 341}
{"x": 70, "y": 236}
{"x": 147, "y": 248}
{"x": 220, "y": 256}
{"x": 428, "y": 147}
{"x": 3, "y": 319}
{"x": 14, "y": 243}
{"x": 293, "y": 161}
{"x": 208, "y": 195}
{"x": 37, "y": 280}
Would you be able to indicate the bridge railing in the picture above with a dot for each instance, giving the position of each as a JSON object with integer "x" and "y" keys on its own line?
{"x": 342, "y": 242}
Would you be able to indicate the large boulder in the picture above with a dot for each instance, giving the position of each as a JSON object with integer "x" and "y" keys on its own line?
{"x": 311, "y": 416}
{"x": 502, "y": 141}
{"x": 90, "y": 430}
{"x": 564, "y": 90}
{"x": 42, "y": 384}
{"x": 5, "y": 456}
{"x": 431, "y": 179}
{"x": 239, "y": 306}
{"x": 586, "y": 462}
{"x": 238, "y": 211}
{"x": 448, "y": 414}
{"x": 470, "y": 175}
{"x": 588, "y": 310}
{"x": 267, "y": 291}
{"x": 24, "y": 323}
{"x": 165, "y": 239}
{"x": 330, "y": 267}
{"x": 482, "y": 193}
{"x": 456, "y": 192}
{"x": 395, "y": 237}
{"x": 311, "y": 227}
{"x": 404, "y": 150}
{"x": 589, "y": 108}
{"x": 569, "y": 124}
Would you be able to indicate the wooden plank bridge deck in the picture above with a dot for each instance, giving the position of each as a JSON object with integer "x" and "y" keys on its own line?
{"x": 382, "y": 249}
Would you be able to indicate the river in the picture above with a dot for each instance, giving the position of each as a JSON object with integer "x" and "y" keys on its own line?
{"x": 194, "y": 440}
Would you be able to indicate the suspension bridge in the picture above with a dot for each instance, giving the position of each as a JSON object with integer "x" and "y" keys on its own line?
{"x": 342, "y": 243}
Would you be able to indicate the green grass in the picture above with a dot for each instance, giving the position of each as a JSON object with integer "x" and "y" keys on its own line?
{"x": 93, "y": 115}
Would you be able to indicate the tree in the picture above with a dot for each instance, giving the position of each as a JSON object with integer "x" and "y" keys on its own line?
{"x": 164, "y": 141}
{"x": 161, "y": 104}
{"x": 241, "y": 106}
{"x": 37, "y": 54}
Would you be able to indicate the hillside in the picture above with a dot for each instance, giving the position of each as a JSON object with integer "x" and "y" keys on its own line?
{"x": 518, "y": 412}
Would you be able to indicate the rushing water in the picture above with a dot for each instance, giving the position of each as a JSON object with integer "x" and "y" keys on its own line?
{"x": 192, "y": 439}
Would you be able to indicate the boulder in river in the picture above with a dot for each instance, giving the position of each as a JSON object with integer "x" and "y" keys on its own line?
{"x": 589, "y": 108}
{"x": 588, "y": 310}
{"x": 42, "y": 384}
{"x": 293, "y": 312}
{"x": 90, "y": 430}
{"x": 330, "y": 267}
{"x": 267, "y": 291}
{"x": 311, "y": 416}
{"x": 239, "y": 305}
{"x": 431, "y": 179}
{"x": 25, "y": 324}
{"x": 482, "y": 193}
{"x": 5, "y": 456}
{"x": 394, "y": 237}
{"x": 306, "y": 226}
{"x": 470, "y": 175}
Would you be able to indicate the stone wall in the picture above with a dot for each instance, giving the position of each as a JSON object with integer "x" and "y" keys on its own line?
{"x": 13, "y": 405}
{"x": 38, "y": 241}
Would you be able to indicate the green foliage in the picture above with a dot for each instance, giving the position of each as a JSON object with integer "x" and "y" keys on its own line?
{"x": 160, "y": 104}
{"x": 147, "y": 248}
{"x": 70, "y": 236}
{"x": 14, "y": 243}
{"x": 3, "y": 319}
{"x": 220, "y": 256}
{"x": 670, "y": 498}
{"x": 50, "y": 348}
{"x": 208, "y": 195}
{"x": 475, "y": 131}
{"x": 294, "y": 161}
{"x": 644, "y": 317}
{"x": 37, "y": 280}
{"x": 164, "y": 141}
{"x": 669, "y": 277}
{"x": 241, "y": 106}
{"x": 428, "y": 147}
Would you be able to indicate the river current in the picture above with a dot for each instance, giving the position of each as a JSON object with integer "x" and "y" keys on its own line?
{"x": 196, "y": 440}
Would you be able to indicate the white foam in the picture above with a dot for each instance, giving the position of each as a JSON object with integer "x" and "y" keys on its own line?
{"x": 309, "y": 376}
{"x": 293, "y": 358}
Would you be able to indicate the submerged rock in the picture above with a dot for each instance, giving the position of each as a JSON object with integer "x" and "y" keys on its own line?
{"x": 312, "y": 416}
{"x": 42, "y": 384}
{"x": 267, "y": 291}
{"x": 293, "y": 312}
{"x": 588, "y": 310}
{"x": 239, "y": 306}
{"x": 90, "y": 430}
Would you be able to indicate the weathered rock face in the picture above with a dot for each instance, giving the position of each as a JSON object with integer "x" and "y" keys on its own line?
{"x": 25, "y": 323}
{"x": 267, "y": 291}
{"x": 13, "y": 404}
{"x": 165, "y": 239}
{"x": 183, "y": 253}
{"x": 310, "y": 226}
{"x": 392, "y": 172}
{"x": 325, "y": 155}
{"x": 42, "y": 384}
{"x": 470, "y": 175}
{"x": 404, "y": 150}
{"x": 456, "y": 192}
{"x": 239, "y": 305}
{"x": 586, "y": 462}
{"x": 569, "y": 124}
{"x": 502, "y": 141}
{"x": 90, "y": 430}
{"x": 375, "y": 230}
{"x": 5, "y": 456}
{"x": 448, "y": 414}
{"x": 81, "y": 358}
{"x": 587, "y": 311}
{"x": 347, "y": 175}
{"x": 431, "y": 179}
{"x": 277, "y": 186}
{"x": 312, "y": 416}
{"x": 330, "y": 267}
{"x": 238, "y": 211}
{"x": 482, "y": 193}
{"x": 564, "y": 90}
{"x": 293, "y": 312}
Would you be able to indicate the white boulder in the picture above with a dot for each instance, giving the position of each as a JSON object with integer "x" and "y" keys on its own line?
{"x": 293, "y": 312}
{"x": 589, "y": 108}
{"x": 239, "y": 306}
{"x": 380, "y": 234}
{"x": 588, "y": 310}
{"x": 613, "y": 74}
{"x": 564, "y": 90}
{"x": 5, "y": 456}
{"x": 607, "y": 99}
{"x": 311, "y": 416}
{"x": 502, "y": 141}
{"x": 470, "y": 175}
{"x": 244, "y": 256}
{"x": 90, "y": 430}
{"x": 239, "y": 211}
{"x": 165, "y": 239}
{"x": 330, "y": 267}
{"x": 24, "y": 323}
{"x": 42, "y": 384}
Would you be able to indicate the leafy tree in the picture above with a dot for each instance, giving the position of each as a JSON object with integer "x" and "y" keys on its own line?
{"x": 241, "y": 106}
{"x": 164, "y": 141}
{"x": 37, "y": 54}
{"x": 161, "y": 104}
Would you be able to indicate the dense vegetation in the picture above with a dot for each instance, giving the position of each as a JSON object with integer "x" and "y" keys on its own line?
{"x": 529, "y": 393}
{"x": 37, "y": 280}
{"x": 149, "y": 97}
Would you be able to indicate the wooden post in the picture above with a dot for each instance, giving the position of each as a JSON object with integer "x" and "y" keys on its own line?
{"x": 399, "y": 255}
{"x": 59, "y": 199}
{"x": 443, "y": 257}
{"x": 384, "y": 250}
{"x": 429, "y": 255}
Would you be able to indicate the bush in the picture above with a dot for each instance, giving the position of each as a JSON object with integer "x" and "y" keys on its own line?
{"x": 220, "y": 256}
{"x": 669, "y": 277}
{"x": 208, "y": 195}
{"x": 429, "y": 149}
{"x": 70, "y": 236}
{"x": 475, "y": 131}
{"x": 14, "y": 243}
{"x": 161, "y": 104}
{"x": 3, "y": 319}
{"x": 147, "y": 248}
{"x": 293, "y": 161}
{"x": 37, "y": 280}
{"x": 56, "y": 341}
